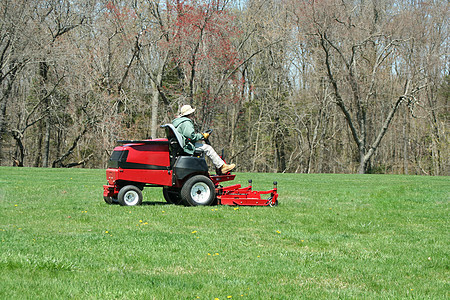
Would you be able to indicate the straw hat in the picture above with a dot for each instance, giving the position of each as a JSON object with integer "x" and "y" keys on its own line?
{"x": 186, "y": 110}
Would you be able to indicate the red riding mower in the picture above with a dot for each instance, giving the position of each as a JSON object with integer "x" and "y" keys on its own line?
{"x": 184, "y": 178}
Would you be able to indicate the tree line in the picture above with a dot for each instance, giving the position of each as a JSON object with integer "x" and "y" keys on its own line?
{"x": 308, "y": 86}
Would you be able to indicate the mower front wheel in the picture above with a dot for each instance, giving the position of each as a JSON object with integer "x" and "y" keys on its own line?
{"x": 130, "y": 195}
{"x": 198, "y": 190}
{"x": 108, "y": 199}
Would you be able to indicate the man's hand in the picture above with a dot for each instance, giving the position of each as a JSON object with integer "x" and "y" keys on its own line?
{"x": 205, "y": 135}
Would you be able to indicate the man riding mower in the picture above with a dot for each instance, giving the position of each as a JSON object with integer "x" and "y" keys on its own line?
{"x": 180, "y": 169}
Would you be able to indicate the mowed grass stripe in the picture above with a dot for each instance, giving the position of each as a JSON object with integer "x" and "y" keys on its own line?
{"x": 332, "y": 236}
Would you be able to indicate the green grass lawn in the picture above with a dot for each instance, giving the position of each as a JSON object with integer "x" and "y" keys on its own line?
{"x": 332, "y": 236}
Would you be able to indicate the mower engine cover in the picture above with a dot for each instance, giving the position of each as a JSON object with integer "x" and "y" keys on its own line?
{"x": 145, "y": 162}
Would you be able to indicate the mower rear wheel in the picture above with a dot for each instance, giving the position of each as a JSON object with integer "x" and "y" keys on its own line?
{"x": 198, "y": 190}
{"x": 130, "y": 195}
{"x": 172, "y": 195}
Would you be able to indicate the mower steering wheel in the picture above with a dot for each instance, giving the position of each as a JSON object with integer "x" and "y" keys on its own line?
{"x": 208, "y": 131}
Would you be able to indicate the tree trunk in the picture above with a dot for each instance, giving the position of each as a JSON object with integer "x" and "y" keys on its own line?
{"x": 2, "y": 125}
{"x": 405, "y": 143}
{"x": 279, "y": 147}
{"x": 46, "y": 152}
{"x": 20, "y": 152}
{"x": 154, "y": 117}
{"x": 6, "y": 86}
{"x": 38, "y": 157}
{"x": 362, "y": 169}
{"x": 368, "y": 154}
{"x": 258, "y": 130}
{"x": 43, "y": 72}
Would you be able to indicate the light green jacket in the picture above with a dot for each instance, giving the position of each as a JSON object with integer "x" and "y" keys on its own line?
{"x": 185, "y": 126}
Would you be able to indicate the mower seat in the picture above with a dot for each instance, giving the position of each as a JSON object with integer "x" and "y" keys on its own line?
{"x": 173, "y": 135}
{"x": 176, "y": 141}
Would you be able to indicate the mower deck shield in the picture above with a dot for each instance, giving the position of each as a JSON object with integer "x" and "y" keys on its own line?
{"x": 236, "y": 195}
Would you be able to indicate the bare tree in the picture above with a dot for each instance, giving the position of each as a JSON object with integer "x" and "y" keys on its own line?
{"x": 15, "y": 43}
{"x": 356, "y": 51}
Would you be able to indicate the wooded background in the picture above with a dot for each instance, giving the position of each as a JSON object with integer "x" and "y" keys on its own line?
{"x": 287, "y": 85}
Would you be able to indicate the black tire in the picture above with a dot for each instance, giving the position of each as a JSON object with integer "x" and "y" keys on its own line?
{"x": 108, "y": 199}
{"x": 198, "y": 190}
{"x": 111, "y": 200}
{"x": 172, "y": 195}
{"x": 130, "y": 195}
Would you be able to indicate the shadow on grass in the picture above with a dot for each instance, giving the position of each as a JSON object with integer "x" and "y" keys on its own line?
{"x": 146, "y": 203}
{"x": 153, "y": 203}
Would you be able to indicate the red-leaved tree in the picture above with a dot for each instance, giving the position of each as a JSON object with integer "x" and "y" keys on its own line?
{"x": 202, "y": 47}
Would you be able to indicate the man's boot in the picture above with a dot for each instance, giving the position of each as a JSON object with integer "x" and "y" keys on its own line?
{"x": 227, "y": 168}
